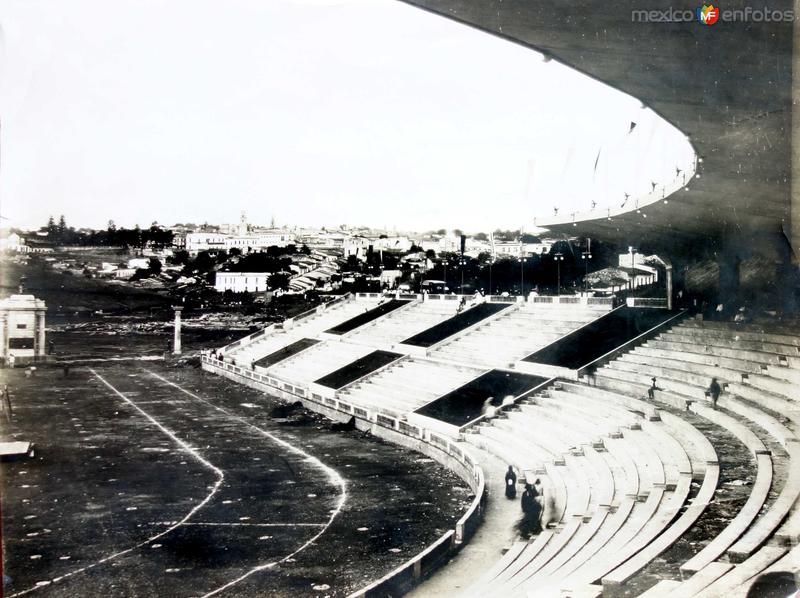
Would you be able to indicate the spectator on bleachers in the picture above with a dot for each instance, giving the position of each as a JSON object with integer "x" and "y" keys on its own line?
{"x": 531, "y": 511}
{"x": 511, "y": 483}
{"x": 488, "y": 410}
{"x": 741, "y": 316}
{"x": 651, "y": 392}
{"x": 713, "y": 392}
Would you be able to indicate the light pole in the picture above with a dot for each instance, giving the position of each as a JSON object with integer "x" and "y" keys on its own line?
{"x": 559, "y": 257}
{"x": 586, "y": 255}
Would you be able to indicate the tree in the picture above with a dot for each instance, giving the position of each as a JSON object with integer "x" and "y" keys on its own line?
{"x": 51, "y": 225}
{"x": 180, "y": 257}
{"x": 277, "y": 281}
{"x": 305, "y": 250}
{"x": 62, "y": 224}
{"x": 234, "y": 251}
{"x": 154, "y": 265}
{"x": 481, "y": 237}
{"x": 430, "y": 254}
{"x": 441, "y": 232}
{"x": 458, "y": 232}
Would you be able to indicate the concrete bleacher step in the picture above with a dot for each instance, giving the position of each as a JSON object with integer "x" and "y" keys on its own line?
{"x": 685, "y": 336}
{"x": 501, "y": 565}
{"x": 706, "y": 372}
{"x": 594, "y": 546}
{"x": 737, "y": 365}
{"x": 665, "y": 529}
{"x": 553, "y": 547}
{"x": 755, "y": 501}
{"x": 726, "y": 585}
{"x": 530, "y": 552}
{"x": 583, "y": 535}
{"x": 613, "y": 551}
{"x": 742, "y": 332}
{"x": 730, "y": 352}
{"x": 778, "y": 386}
{"x": 661, "y": 589}
{"x": 789, "y": 563}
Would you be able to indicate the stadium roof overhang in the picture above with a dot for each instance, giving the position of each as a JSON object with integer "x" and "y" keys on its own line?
{"x": 727, "y": 86}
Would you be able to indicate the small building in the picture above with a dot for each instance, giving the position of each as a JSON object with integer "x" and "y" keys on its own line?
{"x": 22, "y": 332}
{"x": 389, "y": 278}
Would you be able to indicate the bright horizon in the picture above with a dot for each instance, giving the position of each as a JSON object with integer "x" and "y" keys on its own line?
{"x": 319, "y": 113}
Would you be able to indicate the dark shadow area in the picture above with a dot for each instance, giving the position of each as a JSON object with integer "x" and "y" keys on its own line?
{"x": 600, "y": 337}
{"x": 465, "y": 403}
{"x": 457, "y": 323}
{"x": 368, "y": 316}
{"x": 358, "y": 368}
{"x": 286, "y": 352}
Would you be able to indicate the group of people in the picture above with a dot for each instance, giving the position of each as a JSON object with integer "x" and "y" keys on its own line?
{"x": 530, "y": 502}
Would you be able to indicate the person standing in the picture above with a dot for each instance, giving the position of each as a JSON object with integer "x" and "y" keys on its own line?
{"x": 6, "y": 402}
{"x": 713, "y": 392}
{"x": 651, "y": 392}
{"x": 511, "y": 483}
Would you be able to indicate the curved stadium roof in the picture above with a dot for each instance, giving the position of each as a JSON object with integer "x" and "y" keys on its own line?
{"x": 727, "y": 86}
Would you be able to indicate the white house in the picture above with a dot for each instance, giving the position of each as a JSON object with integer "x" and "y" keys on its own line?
{"x": 12, "y": 242}
{"x": 239, "y": 282}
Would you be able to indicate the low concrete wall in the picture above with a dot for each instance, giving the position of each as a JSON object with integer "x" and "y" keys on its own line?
{"x": 412, "y": 435}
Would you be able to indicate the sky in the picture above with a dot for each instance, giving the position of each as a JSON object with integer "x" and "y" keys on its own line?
{"x": 311, "y": 112}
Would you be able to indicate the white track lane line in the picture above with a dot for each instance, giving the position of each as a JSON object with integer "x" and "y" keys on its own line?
{"x": 333, "y": 476}
{"x": 193, "y": 452}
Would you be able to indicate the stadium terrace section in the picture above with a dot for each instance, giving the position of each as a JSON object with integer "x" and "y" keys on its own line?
{"x": 468, "y": 402}
{"x": 286, "y": 352}
{"x": 600, "y": 337}
{"x": 367, "y": 316}
{"x": 457, "y": 323}
{"x": 625, "y": 479}
{"x": 358, "y": 369}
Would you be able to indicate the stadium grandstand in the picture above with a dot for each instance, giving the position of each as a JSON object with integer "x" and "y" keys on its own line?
{"x": 665, "y": 446}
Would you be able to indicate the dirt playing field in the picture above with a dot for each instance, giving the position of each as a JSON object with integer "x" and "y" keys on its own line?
{"x": 157, "y": 481}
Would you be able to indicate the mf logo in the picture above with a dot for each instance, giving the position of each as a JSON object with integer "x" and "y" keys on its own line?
{"x": 708, "y": 15}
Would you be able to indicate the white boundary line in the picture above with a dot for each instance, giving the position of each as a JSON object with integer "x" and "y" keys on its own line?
{"x": 333, "y": 476}
{"x": 193, "y": 452}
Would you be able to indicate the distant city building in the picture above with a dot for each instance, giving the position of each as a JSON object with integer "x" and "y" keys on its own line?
{"x": 515, "y": 248}
{"x": 12, "y": 243}
{"x": 240, "y": 282}
{"x": 22, "y": 329}
{"x": 197, "y": 242}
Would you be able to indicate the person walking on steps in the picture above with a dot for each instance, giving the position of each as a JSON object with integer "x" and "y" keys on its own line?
{"x": 713, "y": 392}
{"x": 511, "y": 483}
{"x": 651, "y": 392}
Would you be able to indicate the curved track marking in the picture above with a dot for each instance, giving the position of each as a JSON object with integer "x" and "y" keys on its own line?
{"x": 333, "y": 475}
{"x": 189, "y": 515}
